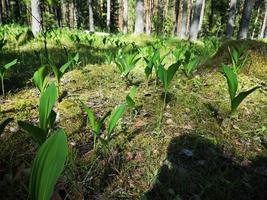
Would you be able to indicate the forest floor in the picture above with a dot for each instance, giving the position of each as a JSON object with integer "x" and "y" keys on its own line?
{"x": 200, "y": 153}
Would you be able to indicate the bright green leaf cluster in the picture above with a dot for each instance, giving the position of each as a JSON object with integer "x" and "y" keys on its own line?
{"x": 232, "y": 88}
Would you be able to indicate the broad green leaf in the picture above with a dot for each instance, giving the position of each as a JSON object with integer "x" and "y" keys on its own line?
{"x": 91, "y": 118}
{"x": 133, "y": 91}
{"x": 40, "y": 78}
{"x": 46, "y": 104}
{"x": 8, "y": 65}
{"x": 48, "y": 165}
{"x": 37, "y": 133}
{"x": 52, "y": 118}
{"x": 240, "y": 97}
{"x": 76, "y": 58}
{"x": 231, "y": 81}
{"x": 171, "y": 71}
{"x": 115, "y": 117}
{"x": 130, "y": 102}
{"x": 130, "y": 97}
{"x": 56, "y": 72}
{"x": 162, "y": 74}
{"x": 104, "y": 118}
{"x": 64, "y": 67}
{"x": 4, "y": 124}
{"x": 191, "y": 66}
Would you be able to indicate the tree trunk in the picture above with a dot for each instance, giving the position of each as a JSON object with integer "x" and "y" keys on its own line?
{"x": 125, "y": 16}
{"x": 108, "y": 15}
{"x": 184, "y": 19}
{"x": 245, "y": 20}
{"x": 8, "y": 12}
{"x": 211, "y": 16}
{"x": 255, "y": 22}
{"x": 91, "y": 16}
{"x": 231, "y": 19}
{"x": 175, "y": 30}
{"x": 149, "y": 13}
{"x": 202, "y": 15}
{"x": 160, "y": 23}
{"x": 3, "y": 10}
{"x": 139, "y": 19}
{"x": 189, "y": 17}
{"x": 264, "y": 23}
{"x": 36, "y": 17}
{"x": 1, "y": 13}
{"x": 194, "y": 29}
{"x": 120, "y": 24}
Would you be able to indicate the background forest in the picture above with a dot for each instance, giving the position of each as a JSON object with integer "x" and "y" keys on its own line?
{"x": 181, "y": 18}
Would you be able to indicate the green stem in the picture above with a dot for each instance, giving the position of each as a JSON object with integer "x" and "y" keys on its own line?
{"x": 3, "y": 87}
{"x": 162, "y": 110}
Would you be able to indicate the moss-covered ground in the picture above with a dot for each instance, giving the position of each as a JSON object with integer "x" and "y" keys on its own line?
{"x": 200, "y": 151}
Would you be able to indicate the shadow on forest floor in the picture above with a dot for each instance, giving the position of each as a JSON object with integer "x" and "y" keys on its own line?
{"x": 195, "y": 168}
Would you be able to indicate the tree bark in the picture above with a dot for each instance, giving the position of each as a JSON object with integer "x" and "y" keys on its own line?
{"x": 202, "y": 15}
{"x": 245, "y": 20}
{"x": 231, "y": 18}
{"x": 139, "y": 19}
{"x": 1, "y": 13}
{"x": 160, "y": 23}
{"x": 194, "y": 29}
{"x": 175, "y": 30}
{"x": 36, "y": 17}
{"x": 255, "y": 22}
{"x": 182, "y": 34}
{"x": 190, "y": 13}
{"x": 264, "y": 23}
{"x": 108, "y": 15}
{"x": 125, "y": 16}
{"x": 91, "y": 16}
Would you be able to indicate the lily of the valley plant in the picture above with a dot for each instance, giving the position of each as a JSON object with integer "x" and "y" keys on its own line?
{"x": 3, "y": 71}
{"x": 232, "y": 82}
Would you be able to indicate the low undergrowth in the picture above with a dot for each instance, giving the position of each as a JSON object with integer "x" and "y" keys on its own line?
{"x": 201, "y": 153}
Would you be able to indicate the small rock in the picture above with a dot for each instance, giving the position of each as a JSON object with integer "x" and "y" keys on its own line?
{"x": 245, "y": 163}
{"x": 257, "y": 138}
{"x": 168, "y": 114}
{"x": 187, "y": 152}
{"x": 73, "y": 144}
{"x": 169, "y": 122}
{"x": 187, "y": 110}
{"x": 14, "y": 129}
{"x": 201, "y": 162}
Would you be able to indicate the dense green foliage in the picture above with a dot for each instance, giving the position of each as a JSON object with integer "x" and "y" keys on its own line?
{"x": 161, "y": 134}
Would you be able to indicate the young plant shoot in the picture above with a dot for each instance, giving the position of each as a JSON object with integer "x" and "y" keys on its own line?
{"x": 98, "y": 125}
{"x": 40, "y": 78}
{"x": 126, "y": 63}
{"x": 232, "y": 82}
{"x": 3, "y": 71}
{"x": 62, "y": 70}
{"x": 95, "y": 124}
{"x": 166, "y": 76}
{"x": 238, "y": 58}
{"x": 47, "y": 116}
